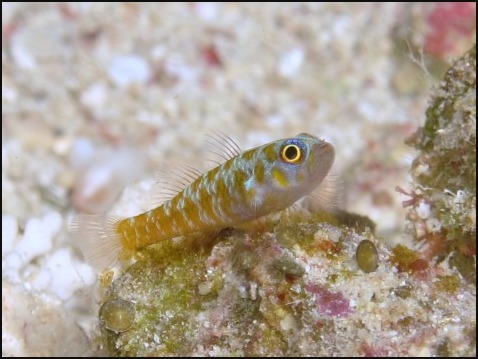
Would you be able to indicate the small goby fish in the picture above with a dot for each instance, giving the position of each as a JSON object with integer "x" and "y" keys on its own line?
{"x": 247, "y": 186}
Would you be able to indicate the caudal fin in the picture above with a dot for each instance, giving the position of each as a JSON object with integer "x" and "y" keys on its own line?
{"x": 97, "y": 239}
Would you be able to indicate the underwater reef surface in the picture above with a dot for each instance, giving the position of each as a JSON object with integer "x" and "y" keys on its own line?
{"x": 299, "y": 287}
{"x": 321, "y": 284}
{"x": 442, "y": 212}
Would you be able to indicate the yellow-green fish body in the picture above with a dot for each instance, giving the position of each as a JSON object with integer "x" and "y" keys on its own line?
{"x": 249, "y": 185}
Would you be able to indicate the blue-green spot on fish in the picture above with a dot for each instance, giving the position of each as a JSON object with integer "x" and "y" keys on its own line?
{"x": 246, "y": 186}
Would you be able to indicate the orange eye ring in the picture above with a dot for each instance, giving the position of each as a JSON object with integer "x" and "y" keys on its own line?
{"x": 291, "y": 154}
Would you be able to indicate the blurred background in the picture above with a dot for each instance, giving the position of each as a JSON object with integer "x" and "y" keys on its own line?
{"x": 96, "y": 96}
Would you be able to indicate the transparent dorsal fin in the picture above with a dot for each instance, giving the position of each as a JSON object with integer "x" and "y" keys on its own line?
{"x": 222, "y": 147}
{"x": 172, "y": 179}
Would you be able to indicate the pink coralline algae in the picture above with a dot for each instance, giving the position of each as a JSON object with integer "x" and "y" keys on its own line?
{"x": 447, "y": 22}
{"x": 328, "y": 303}
{"x": 373, "y": 351}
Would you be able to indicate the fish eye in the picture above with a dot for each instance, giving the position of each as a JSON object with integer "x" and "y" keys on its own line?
{"x": 291, "y": 153}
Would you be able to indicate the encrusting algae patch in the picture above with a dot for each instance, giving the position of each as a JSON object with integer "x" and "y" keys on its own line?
{"x": 442, "y": 207}
{"x": 245, "y": 293}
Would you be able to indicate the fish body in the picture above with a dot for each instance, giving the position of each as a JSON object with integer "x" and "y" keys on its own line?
{"x": 247, "y": 186}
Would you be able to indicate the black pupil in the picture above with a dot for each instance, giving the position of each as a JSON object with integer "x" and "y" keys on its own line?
{"x": 291, "y": 152}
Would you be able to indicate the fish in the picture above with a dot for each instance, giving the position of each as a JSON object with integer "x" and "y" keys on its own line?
{"x": 245, "y": 186}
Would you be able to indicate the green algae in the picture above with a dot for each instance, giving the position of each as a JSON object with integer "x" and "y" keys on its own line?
{"x": 167, "y": 276}
{"x": 445, "y": 169}
{"x": 404, "y": 257}
{"x": 358, "y": 222}
{"x": 288, "y": 266}
{"x": 443, "y": 349}
{"x": 176, "y": 287}
{"x": 449, "y": 284}
{"x": 367, "y": 256}
{"x": 243, "y": 293}
{"x": 465, "y": 265}
{"x": 290, "y": 233}
{"x": 404, "y": 291}
{"x": 117, "y": 315}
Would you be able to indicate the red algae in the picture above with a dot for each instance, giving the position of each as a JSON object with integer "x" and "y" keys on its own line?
{"x": 447, "y": 22}
{"x": 329, "y": 303}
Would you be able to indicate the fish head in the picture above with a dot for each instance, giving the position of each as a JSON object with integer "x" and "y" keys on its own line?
{"x": 297, "y": 166}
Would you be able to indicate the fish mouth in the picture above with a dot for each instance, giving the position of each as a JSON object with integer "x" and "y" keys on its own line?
{"x": 324, "y": 155}
{"x": 325, "y": 150}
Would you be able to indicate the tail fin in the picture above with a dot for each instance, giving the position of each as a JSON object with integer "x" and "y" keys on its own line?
{"x": 97, "y": 239}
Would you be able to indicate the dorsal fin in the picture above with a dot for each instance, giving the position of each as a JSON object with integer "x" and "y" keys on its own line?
{"x": 222, "y": 147}
{"x": 172, "y": 179}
